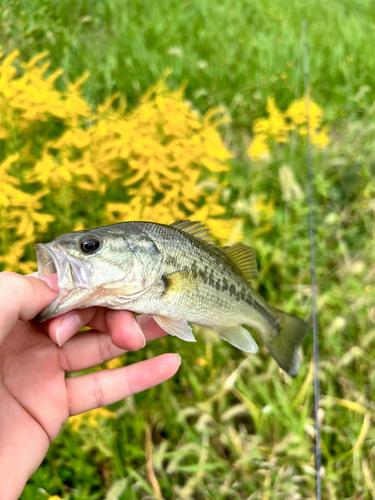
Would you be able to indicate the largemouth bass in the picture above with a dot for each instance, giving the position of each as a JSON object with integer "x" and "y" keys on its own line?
{"x": 174, "y": 273}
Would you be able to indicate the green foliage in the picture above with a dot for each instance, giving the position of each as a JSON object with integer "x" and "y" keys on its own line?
{"x": 232, "y": 53}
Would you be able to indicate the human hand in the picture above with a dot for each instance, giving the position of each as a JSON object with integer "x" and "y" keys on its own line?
{"x": 35, "y": 397}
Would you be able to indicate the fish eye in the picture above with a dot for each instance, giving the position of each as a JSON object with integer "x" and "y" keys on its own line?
{"x": 89, "y": 244}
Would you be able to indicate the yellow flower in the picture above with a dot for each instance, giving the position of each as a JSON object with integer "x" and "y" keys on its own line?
{"x": 258, "y": 148}
{"x": 296, "y": 112}
{"x": 277, "y": 124}
{"x": 227, "y": 231}
{"x": 90, "y": 417}
{"x": 276, "y": 127}
{"x": 201, "y": 362}
{"x": 4, "y": 167}
{"x": 114, "y": 363}
{"x": 320, "y": 138}
{"x": 12, "y": 258}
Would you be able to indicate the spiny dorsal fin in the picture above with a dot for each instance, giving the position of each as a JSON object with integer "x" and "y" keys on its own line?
{"x": 194, "y": 228}
{"x": 244, "y": 258}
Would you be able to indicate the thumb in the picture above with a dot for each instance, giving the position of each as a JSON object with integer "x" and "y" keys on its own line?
{"x": 22, "y": 297}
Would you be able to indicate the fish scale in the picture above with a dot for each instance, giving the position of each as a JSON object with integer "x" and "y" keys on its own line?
{"x": 177, "y": 275}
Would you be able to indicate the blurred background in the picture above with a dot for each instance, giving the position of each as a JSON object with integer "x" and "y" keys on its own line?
{"x": 116, "y": 110}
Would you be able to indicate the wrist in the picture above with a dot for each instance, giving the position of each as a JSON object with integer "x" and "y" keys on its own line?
{"x": 23, "y": 445}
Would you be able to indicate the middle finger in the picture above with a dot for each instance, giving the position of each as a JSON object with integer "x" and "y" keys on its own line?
{"x": 88, "y": 349}
{"x": 122, "y": 325}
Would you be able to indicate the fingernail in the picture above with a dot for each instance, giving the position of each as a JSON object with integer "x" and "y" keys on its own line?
{"x": 50, "y": 280}
{"x": 179, "y": 358}
{"x": 139, "y": 330}
{"x": 67, "y": 327}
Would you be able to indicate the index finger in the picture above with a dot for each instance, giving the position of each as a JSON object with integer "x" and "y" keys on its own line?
{"x": 126, "y": 332}
{"x": 21, "y": 297}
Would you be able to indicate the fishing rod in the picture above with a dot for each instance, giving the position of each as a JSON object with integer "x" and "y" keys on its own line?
{"x": 310, "y": 169}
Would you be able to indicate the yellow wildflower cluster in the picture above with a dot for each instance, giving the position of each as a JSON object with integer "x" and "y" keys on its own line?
{"x": 34, "y": 96}
{"x": 165, "y": 161}
{"x": 66, "y": 164}
{"x": 278, "y": 125}
{"x": 19, "y": 217}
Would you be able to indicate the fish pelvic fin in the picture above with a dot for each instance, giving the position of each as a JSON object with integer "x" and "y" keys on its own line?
{"x": 238, "y": 336}
{"x": 176, "y": 327}
{"x": 284, "y": 339}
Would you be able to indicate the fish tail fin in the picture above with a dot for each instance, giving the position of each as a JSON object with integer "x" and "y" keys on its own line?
{"x": 284, "y": 339}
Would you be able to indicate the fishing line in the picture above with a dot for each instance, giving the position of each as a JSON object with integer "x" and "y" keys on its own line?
{"x": 310, "y": 168}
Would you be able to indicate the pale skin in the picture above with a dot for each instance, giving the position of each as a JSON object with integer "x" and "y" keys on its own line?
{"x": 36, "y": 398}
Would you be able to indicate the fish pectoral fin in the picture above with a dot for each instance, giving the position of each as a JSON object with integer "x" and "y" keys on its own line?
{"x": 177, "y": 327}
{"x": 244, "y": 258}
{"x": 181, "y": 282}
{"x": 238, "y": 336}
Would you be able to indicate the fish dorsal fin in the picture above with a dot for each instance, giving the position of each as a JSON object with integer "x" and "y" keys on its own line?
{"x": 194, "y": 228}
{"x": 244, "y": 258}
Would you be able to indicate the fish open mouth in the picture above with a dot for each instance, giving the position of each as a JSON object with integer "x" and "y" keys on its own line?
{"x": 47, "y": 261}
{"x": 71, "y": 279}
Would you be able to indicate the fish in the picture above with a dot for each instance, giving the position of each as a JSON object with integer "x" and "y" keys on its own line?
{"x": 174, "y": 273}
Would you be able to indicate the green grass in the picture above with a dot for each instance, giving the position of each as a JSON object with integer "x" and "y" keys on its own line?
{"x": 231, "y": 53}
{"x": 237, "y": 428}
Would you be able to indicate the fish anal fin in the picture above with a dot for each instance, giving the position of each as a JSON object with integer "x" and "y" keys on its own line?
{"x": 177, "y": 327}
{"x": 194, "y": 228}
{"x": 238, "y": 336}
{"x": 244, "y": 258}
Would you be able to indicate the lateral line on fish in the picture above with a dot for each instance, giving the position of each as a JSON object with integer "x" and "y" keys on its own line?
{"x": 264, "y": 311}
{"x": 238, "y": 294}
